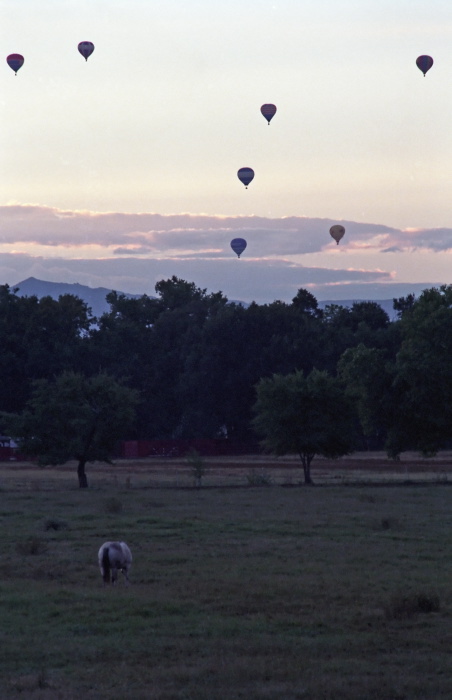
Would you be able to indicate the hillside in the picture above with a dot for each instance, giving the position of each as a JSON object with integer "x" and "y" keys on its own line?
{"x": 386, "y": 305}
{"x": 94, "y": 297}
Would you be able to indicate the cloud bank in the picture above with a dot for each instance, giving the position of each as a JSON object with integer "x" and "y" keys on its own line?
{"x": 131, "y": 252}
{"x": 149, "y": 233}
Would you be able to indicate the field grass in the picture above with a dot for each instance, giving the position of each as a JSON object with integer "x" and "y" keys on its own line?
{"x": 340, "y": 591}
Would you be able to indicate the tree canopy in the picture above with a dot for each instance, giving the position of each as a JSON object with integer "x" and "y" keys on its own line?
{"x": 72, "y": 417}
{"x": 423, "y": 375}
{"x": 195, "y": 358}
{"x": 307, "y": 416}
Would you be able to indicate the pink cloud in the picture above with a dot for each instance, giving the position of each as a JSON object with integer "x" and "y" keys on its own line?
{"x": 47, "y": 226}
{"x": 131, "y": 252}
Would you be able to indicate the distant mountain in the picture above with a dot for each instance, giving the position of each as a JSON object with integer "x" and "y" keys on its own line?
{"x": 95, "y": 298}
{"x": 386, "y": 305}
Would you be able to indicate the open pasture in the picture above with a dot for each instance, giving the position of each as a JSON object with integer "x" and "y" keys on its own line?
{"x": 339, "y": 591}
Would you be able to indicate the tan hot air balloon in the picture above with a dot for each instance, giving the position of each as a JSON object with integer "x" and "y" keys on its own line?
{"x": 337, "y": 232}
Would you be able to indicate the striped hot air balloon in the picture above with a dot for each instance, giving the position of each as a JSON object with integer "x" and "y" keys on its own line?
{"x": 268, "y": 111}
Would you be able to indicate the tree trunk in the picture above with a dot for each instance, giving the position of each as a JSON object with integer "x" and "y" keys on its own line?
{"x": 82, "y": 480}
{"x": 306, "y": 461}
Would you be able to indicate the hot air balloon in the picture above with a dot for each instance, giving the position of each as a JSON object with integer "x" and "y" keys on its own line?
{"x": 15, "y": 61}
{"x": 245, "y": 175}
{"x": 238, "y": 245}
{"x": 268, "y": 112}
{"x": 424, "y": 63}
{"x": 86, "y": 48}
{"x": 337, "y": 231}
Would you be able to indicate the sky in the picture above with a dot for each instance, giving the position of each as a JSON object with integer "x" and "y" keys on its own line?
{"x": 121, "y": 170}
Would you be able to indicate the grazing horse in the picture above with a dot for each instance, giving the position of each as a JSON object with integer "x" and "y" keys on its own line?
{"x": 114, "y": 557}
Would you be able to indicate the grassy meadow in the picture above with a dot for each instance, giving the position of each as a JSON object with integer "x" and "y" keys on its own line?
{"x": 251, "y": 586}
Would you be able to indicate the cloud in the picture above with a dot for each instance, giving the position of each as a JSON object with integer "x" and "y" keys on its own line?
{"x": 261, "y": 281}
{"x": 435, "y": 239}
{"x": 155, "y": 234}
{"x": 131, "y": 252}
{"x": 151, "y": 233}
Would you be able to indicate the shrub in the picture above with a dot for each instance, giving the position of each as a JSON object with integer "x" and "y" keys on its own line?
{"x": 55, "y": 524}
{"x": 255, "y": 478}
{"x": 388, "y": 523}
{"x": 43, "y": 679}
{"x": 113, "y": 505}
{"x": 198, "y": 466}
{"x": 402, "y": 605}
{"x": 32, "y": 545}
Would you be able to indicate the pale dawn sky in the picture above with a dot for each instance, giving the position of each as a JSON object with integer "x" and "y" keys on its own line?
{"x": 122, "y": 170}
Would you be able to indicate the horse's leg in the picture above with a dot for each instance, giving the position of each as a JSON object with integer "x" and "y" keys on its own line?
{"x": 105, "y": 565}
{"x": 114, "y": 574}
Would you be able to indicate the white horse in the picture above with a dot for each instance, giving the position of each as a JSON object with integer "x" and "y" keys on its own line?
{"x": 114, "y": 557}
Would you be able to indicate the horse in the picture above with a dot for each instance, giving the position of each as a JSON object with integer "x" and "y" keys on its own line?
{"x": 114, "y": 557}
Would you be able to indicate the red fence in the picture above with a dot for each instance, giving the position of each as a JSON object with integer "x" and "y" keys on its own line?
{"x": 133, "y": 449}
{"x": 10, "y": 453}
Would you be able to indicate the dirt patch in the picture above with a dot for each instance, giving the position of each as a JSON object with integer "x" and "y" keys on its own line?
{"x": 369, "y": 467}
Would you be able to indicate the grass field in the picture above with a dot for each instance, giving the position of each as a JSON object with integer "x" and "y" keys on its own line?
{"x": 339, "y": 591}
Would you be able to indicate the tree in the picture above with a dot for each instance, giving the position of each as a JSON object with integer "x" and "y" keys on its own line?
{"x": 121, "y": 347}
{"x": 237, "y": 347}
{"x": 307, "y": 303}
{"x": 176, "y": 293}
{"x": 74, "y": 417}
{"x": 368, "y": 374}
{"x": 422, "y": 386}
{"x": 38, "y": 339}
{"x": 365, "y": 322}
{"x": 404, "y": 304}
{"x": 304, "y": 415}
{"x": 184, "y": 309}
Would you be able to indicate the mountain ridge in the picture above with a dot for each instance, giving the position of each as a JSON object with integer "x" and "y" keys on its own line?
{"x": 95, "y": 297}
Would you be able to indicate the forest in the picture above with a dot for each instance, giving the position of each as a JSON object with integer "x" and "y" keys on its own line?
{"x": 191, "y": 362}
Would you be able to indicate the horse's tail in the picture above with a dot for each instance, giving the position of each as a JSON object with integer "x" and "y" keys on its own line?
{"x": 106, "y": 565}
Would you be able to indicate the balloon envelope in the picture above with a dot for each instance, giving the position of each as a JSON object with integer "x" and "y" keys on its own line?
{"x": 337, "y": 232}
{"x": 86, "y": 48}
{"x": 424, "y": 63}
{"x": 245, "y": 175}
{"x": 268, "y": 111}
{"x": 238, "y": 245}
{"x": 15, "y": 61}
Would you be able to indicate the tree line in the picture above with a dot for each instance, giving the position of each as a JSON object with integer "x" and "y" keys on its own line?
{"x": 190, "y": 364}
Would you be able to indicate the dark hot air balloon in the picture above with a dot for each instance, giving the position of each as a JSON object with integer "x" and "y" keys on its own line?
{"x": 424, "y": 63}
{"x": 245, "y": 175}
{"x": 268, "y": 112}
{"x": 86, "y": 48}
{"x": 238, "y": 245}
{"x": 337, "y": 232}
{"x": 15, "y": 61}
